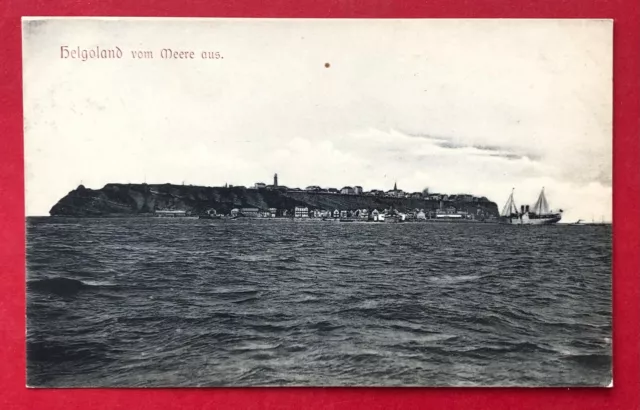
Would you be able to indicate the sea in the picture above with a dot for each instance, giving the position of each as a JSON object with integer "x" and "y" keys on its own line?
{"x": 162, "y": 302}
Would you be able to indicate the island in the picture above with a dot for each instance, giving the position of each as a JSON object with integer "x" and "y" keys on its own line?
{"x": 118, "y": 200}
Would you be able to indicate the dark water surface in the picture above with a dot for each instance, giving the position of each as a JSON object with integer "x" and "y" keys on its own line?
{"x": 171, "y": 302}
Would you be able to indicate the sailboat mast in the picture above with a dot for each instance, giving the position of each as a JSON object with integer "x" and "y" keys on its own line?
{"x": 510, "y": 206}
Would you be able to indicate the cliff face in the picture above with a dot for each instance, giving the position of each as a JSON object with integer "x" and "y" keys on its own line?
{"x": 133, "y": 199}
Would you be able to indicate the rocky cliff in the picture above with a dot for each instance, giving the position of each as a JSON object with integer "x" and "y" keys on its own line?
{"x": 141, "y": 199}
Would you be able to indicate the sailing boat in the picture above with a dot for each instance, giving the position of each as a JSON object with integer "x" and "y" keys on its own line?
{"x": 539, "y": 214}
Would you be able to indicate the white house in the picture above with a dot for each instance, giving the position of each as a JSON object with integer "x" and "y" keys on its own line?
{"x": 301, "y": 212}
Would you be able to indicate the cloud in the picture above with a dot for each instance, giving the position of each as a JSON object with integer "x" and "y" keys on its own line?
{"x": 480, "y": 149}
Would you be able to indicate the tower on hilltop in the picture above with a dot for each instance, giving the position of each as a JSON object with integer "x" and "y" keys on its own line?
{"x": 395, "y": 186}
{"x": 275, "y": 180}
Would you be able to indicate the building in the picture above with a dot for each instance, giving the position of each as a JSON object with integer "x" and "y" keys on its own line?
{"x": 347, "y": 191}
{"x": 301, "y": 212}
{"x": 357, "y": 190}
{"x": 260, "y": 185}
{"x": 421, "y": 215}
{"x": 395, "y": 192}
{"x": 333, "y": 191}
{"x": 235, "y": 212}
{"x": 275, "y": 180}
{"x": 363, "y": 214}
{"x": 343, "y": 214}
{"x": 313, "y": 188}
{"x": 250, "y": 212}
{"x": 279, "y": 187}
{"x": 417, "y": 195}
{"x": 448, "y": 216}
{"x": 273, "y": 212}
{"x": 171, "y": 213}
{"x": 377, "y": 215}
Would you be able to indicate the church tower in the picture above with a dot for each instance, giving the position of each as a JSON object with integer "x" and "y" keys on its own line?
{"x": 395, "y": 186}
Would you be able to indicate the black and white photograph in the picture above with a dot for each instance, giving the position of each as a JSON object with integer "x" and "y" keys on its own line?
{"x": 318, "y": 202}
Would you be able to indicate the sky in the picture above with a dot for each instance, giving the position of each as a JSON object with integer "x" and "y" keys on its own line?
{"x": 456, "y": 106}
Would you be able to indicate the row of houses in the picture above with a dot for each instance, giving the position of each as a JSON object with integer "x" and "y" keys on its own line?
{"x": 364, "y": 214}
{"x": 358, "y": 190}
{"x": 393, "y": 193}
{"x": 398, "y": 193}
{"x": 304, "y": 212}
{"x": 254, "y": 212}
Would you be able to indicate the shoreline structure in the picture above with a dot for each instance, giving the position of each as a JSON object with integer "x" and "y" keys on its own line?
{"x": 272, "y": 201}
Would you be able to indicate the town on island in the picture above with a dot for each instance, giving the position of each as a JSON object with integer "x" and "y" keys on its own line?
{"x": 449, "y": 207}
{"x": 348, "y": 204}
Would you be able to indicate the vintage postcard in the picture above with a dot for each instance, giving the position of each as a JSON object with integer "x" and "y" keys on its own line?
{"x": 309, "y": 202}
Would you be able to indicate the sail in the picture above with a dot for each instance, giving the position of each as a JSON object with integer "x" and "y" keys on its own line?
{"x": 510, "y": 207}
{"x": 541, "y": 206}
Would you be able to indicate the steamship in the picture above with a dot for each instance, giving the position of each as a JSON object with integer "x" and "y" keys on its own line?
{"x": 540, "y": 214}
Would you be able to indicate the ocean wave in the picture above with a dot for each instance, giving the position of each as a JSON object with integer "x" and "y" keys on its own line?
{"x": 325, "y": 326}
{"x": 246, "y": 300}
{"x": 64, "y": 286}
{"x": 446, "y": 279}
{"x": 233, "y": 293}
{"x": 250, "y": 346}
{"x": 519, "y": 347}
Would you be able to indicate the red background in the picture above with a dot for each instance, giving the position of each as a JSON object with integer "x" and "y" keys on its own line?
{"x": 626, "y": 178}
